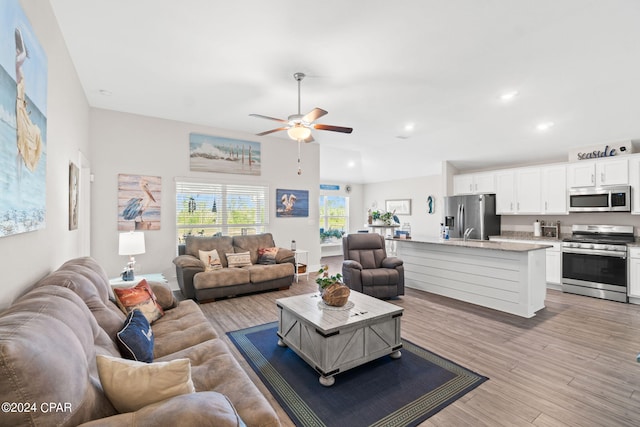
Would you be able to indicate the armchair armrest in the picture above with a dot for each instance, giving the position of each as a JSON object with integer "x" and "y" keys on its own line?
{"x": 391, "y": 262}
{"x": 206, "y": 408}
{"x": 351, "y": 264}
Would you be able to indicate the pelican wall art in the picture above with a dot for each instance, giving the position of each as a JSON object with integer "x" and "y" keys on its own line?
{"x": 292, "y": 203}
{"x": 139, "y": 202}
{"x": 225, "y": 155}
{"x": 23, "y": 123}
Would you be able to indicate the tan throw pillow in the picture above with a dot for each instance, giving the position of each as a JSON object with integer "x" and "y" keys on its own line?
{"x": 239, "y": 259}
{"x": 211, "y": 260}
{"x": 131, "y": 385}
{"x": 141, "y": 297}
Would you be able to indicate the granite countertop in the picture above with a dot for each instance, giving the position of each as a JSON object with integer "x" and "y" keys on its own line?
{"x": 480, "y": 244}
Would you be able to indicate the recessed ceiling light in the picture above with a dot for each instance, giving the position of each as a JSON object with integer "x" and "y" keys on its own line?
{"x": 409, "y": 127}
{"x": 351, "y": 164}
{"x": 508, "y": 96}
{"x": 545, "y": 126}
{"x": 105, "y": 92}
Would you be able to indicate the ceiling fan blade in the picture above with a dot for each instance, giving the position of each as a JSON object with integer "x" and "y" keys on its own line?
{"x": 268, "y": 118}
{"x": 332, "y": 128}
{"x": 271, "y": 131}
{"x": 314, "y": 114}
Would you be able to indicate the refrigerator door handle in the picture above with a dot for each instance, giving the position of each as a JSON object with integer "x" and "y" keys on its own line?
{"x": 462, "y": 225}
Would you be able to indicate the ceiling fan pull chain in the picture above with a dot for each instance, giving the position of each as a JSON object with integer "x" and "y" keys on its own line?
{"x": 299, "y": 168}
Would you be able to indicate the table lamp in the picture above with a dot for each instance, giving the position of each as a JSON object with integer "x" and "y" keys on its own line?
{"x": 130, "y": 244}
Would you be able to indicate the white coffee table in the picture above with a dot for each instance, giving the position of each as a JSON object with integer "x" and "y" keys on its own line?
{"x": 333, "y": 340}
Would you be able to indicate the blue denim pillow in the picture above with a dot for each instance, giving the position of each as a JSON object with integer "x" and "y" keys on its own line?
{"x": 135, "y": 340}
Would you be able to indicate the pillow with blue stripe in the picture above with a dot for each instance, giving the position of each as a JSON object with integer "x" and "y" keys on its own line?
{"x": 135, "y": 339}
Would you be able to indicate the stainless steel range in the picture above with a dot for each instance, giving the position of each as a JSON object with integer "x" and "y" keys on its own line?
{"x": 594, "y": 261}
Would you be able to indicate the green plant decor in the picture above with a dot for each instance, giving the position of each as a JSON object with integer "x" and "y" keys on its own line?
{"x": 386, "y": 217}
{"x": 328, "y": 234}
{"x": 324, "y": 280}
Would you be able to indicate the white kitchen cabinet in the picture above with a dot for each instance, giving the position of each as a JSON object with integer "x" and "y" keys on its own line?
{"x": 634, "y": 274}
{"x": 474, "y": 183}
{"x": 518, "y": 191}
{"x": 554, "y": 189}
{"x": 553, "y": 258}
{"x": 634, "y": 181}
{"x": 598, "y": 173}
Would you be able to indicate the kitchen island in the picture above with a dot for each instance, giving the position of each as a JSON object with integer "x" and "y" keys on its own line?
{"x": 509, "y": 277}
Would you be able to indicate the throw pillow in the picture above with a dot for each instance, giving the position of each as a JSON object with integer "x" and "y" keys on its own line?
{"x": 131, "y": 385}
{"x": 142, "y": 297}
{"x": 211, "y": 260}
{"x": 135, "y": 340}
{"x": 267, "y": 255}
{"x": 239, "y": 259}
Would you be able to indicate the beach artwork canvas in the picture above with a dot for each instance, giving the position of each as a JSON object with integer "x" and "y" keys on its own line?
{"x": 209, "y": 153}
{"x": 139, "y": 202}
{"x": 292, "y": 203}
{"x": 23, "y": 124}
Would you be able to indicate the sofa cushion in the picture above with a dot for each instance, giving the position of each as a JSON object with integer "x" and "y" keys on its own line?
{"x": 203, "y": 409}
{"x": 48, "y": 342}
{"x": 379, "y": 276}
{"x": 262, "y": 273}
{"x": 164, "y": 295}
{"x": 131, "y": 385}
{"x": 224, "y": 277}
{"x": 213, "y": 367}
{"x": 96, "y": 298}
{"x": 141, "y": 297}
{"x": 180, "y": 328}
{"x": 267, "y": 256}
{"x": 223, "y": 244}
{"x": 240, "y": 259}
{"x": 135, "y": 340}
{"x": 251, "y": 244}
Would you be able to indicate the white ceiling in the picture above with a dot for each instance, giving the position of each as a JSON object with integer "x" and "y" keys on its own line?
{"x": 375, "y": 66}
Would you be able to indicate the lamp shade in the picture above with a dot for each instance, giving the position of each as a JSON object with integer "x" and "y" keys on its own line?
{"x": 299, "y": 132}
{"x": 131, "y": 243}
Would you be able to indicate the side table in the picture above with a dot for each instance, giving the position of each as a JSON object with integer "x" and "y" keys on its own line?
{"x": 301, "y": 265}
{"x": 154, "y": 277}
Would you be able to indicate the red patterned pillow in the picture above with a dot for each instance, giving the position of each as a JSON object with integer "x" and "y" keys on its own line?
{"x": 267, "y": 255}
{"x": 141, "y": 297}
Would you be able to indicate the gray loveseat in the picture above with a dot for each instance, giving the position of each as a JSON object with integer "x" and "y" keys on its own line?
{"x": 203, "y": 286}
{"x": 50, "y": 338}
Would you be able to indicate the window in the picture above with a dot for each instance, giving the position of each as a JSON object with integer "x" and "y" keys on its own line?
{"x": 208, "y": 209}
{"x": 334, "y": 218}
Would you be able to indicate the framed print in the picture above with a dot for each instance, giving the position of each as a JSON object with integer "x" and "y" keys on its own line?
{"x": 400, "y": 206}
{"x": 139, "y": 202}
{"x": 292, "y": 203}
{"x": 74, "y": 194}
{"x": 23, "y": 128}
{"x": 209, "y": 153}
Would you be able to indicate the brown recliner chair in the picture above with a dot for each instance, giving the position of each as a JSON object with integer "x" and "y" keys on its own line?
{"x": 367, "y": 269}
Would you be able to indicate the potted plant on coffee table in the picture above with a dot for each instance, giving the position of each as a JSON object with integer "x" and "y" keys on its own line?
{"x": 333, "y": 291}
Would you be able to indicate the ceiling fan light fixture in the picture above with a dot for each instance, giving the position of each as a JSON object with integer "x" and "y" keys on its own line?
{"x": 299, "y": 132}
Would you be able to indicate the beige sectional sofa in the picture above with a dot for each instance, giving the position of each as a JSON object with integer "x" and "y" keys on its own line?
{"x": 50, "y": 338}
{"x": 203, "y": 286}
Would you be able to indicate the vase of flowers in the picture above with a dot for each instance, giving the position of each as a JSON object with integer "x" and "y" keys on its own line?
{"x": 333, "y": 291}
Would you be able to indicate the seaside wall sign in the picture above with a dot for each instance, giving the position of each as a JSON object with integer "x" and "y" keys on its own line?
{"x": 601, "y": 151}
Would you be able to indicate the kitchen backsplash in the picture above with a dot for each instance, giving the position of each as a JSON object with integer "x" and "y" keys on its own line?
{"x": 524, "y": 223}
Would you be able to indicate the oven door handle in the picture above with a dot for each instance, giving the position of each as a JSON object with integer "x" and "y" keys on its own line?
{"x": 614, "y": 254}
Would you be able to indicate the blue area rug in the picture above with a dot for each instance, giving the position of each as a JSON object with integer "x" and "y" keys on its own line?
{"x": 383, "y": 392}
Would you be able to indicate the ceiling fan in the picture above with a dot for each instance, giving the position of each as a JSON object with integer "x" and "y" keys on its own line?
{"x": 299, "y": 126}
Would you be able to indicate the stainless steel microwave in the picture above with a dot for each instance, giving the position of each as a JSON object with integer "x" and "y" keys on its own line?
{"x": 600, "y": 199}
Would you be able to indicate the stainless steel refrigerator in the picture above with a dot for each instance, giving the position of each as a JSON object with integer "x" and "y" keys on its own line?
{"x": 477, "y": 212}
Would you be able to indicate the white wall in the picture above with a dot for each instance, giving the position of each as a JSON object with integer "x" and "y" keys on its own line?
{"x": 132, "y": 144}
{"x": 28, "y": 257}
{"x": 416, "y": 189}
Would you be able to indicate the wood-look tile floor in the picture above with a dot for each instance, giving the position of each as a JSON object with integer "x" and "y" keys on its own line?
{"x": 573, "y": 364}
